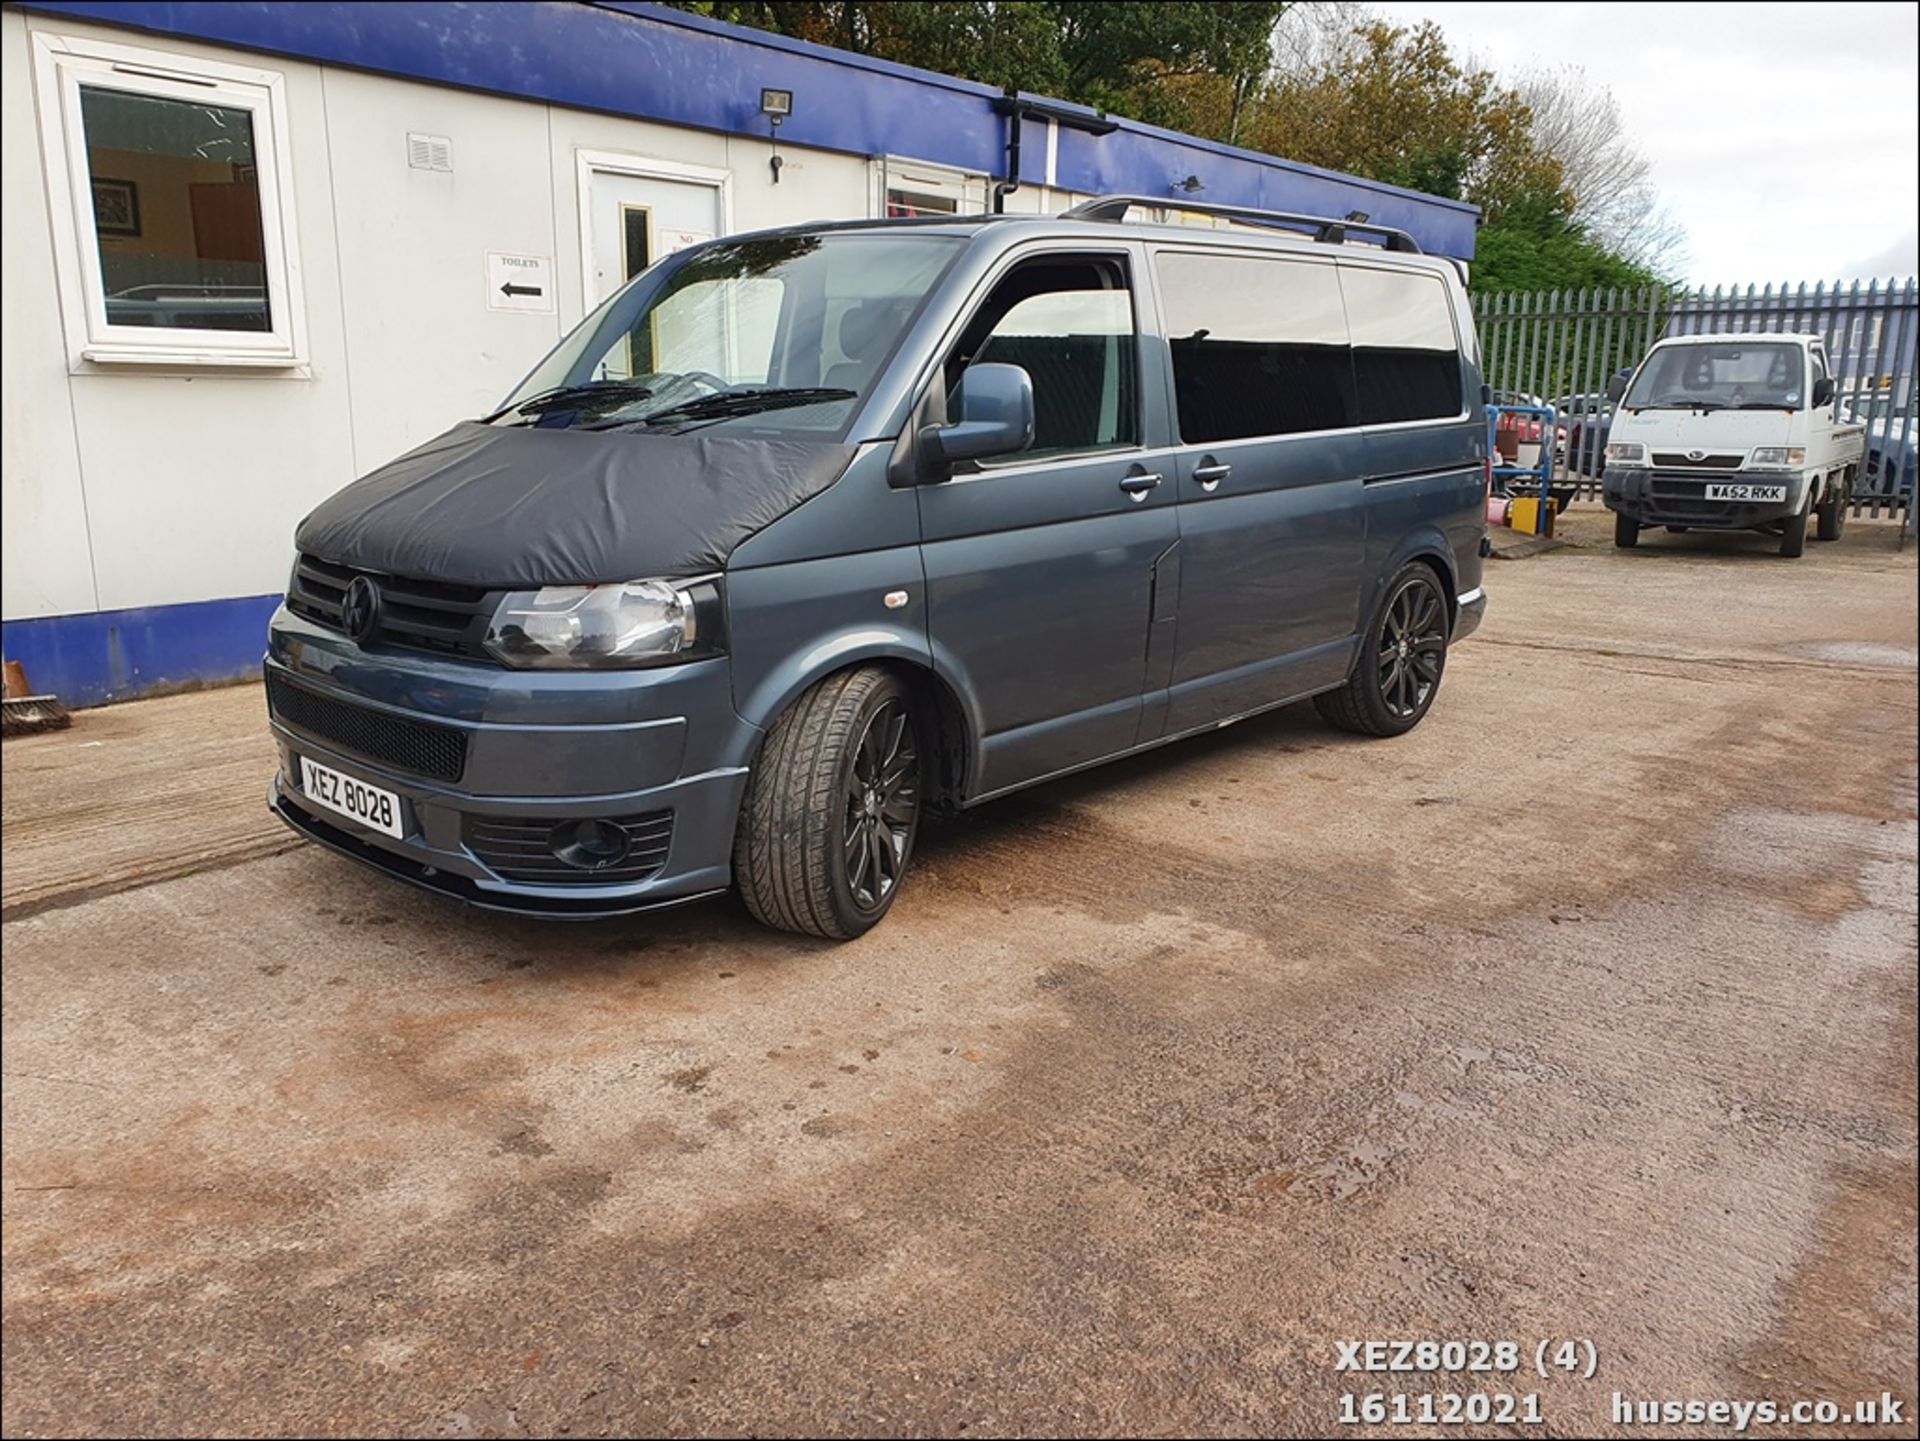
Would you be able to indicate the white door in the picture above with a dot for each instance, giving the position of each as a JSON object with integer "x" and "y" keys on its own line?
{"x": 634, "y": 220}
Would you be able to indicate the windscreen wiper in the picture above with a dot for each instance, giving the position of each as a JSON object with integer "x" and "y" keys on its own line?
{"x": 730, "y": 403}
{"x": 562, "y": 396}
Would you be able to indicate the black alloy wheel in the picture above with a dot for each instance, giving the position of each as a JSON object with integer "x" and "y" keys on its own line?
{"x": 1413, "y": 647}
{"x": 1402, "y": 656}
{"x": 882, "y": 805}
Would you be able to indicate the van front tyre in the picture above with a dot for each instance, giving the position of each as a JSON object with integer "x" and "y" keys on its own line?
{"x": 1402, "y": 657}
{"x": 1626, "y": 531}
{"x": 832, "y": 809}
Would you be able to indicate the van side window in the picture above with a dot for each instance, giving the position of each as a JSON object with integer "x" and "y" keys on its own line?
{"x": 1068, "y": 322}
{"x": 1259, "y": 346}
{"x": 1406, "y": 361}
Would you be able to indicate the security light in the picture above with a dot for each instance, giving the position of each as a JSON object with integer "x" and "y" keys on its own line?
{"x": 1358, "y": 217}
{"x": 776, "y": 105}
{"x": 1193, "y": 185}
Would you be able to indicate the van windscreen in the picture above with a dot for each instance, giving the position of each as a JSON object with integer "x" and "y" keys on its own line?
{"x": 1738, "y": 375}
{"x": 782, "y": 334}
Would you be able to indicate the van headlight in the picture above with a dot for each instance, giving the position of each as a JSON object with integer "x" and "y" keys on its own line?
{"x": 1777, "y": 457}
{"x": 1626, "y": 452}
{"x": 599, "y": 627}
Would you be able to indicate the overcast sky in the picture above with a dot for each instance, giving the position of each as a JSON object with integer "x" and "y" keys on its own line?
{"x": 1783, "y": 137}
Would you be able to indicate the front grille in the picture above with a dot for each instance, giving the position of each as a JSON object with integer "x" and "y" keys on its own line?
{"x": 1679, "y": 460}
{"x": 424, "y": 615}
{"x": 1682, "y": 500}
{"x": 522, "y": 850}
{"x": 1683, "y": 488}
{"x": 426, "y": 749}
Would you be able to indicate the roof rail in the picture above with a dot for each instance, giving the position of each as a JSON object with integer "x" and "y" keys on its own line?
{"x": 1325, "y": 229}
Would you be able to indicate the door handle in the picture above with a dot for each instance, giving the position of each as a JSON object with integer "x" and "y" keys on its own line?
{"x": 1209, "y": 476}
{"x": 1137, "y": 486}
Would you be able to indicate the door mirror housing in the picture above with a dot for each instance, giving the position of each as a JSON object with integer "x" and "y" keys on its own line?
{"x": 1823, "y": 391}
{"x": 1617, "y": 386}
{"x": 996, "y": 418}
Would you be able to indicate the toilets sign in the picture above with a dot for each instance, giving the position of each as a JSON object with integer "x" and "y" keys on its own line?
{"x": 519, "y": 282}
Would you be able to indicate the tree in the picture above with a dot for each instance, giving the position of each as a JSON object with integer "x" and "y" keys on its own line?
{"x": 1537, "y": 245}
{"x": 1314, "y": 36}
{"x": 1608, "y": 178}
{"x": 1564, "y": 197}
{"x": 1400, "y": 108}
{"x": 1190, "y": 66}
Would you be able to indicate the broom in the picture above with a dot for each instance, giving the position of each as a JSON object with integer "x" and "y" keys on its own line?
{"x": 22, "y": 714}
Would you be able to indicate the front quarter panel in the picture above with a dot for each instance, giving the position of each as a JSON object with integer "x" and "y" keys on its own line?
{"x": 809, "y": 594}
{"x": 795, "y": 623}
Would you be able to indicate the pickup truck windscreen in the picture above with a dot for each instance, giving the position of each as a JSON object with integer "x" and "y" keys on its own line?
{"x": 1740, "y": 375}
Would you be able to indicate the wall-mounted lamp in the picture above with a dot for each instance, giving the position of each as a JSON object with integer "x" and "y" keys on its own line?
{"x": 1358, "y": 217}
{"x": 1193, "y": 185}
{"x": 776, "y": 105}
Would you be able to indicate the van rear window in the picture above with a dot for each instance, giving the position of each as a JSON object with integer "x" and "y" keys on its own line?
{"x": 1406, "y": 361}
{"x": 1259, "y": 346}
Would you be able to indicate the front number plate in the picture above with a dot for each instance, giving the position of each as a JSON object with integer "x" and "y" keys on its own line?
{"x": 356, "y": 800}
{"x": 1746, "y": 492}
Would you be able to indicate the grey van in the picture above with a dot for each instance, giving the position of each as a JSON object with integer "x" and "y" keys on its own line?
{"x": 808, "y": 533}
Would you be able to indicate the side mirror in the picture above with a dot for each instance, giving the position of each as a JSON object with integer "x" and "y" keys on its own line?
{"x": 1617, "y": 386}
{"x": 1823, "y": 391}
{"x": 996, "y": 418}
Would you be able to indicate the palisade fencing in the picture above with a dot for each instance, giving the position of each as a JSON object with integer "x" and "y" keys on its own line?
{"x": 1560, "y": 347}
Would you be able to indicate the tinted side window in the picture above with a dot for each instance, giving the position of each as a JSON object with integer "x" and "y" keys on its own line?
{"x": 1069, "y": 324}
{"x": 1259, "y": 346}
{"x": 1406, "y": 361}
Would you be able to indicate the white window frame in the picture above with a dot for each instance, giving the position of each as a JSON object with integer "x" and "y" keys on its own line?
{"x": 972, "y": 192}
{"x": 62, "y": 63}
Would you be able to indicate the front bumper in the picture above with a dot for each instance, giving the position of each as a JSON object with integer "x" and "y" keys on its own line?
{"x": 532, "y": 750}
{"x": 1669, "y": 497}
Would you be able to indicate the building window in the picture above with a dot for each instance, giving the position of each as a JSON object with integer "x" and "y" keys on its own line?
{"x": 904, "y": 204}
{"x": 911, "y": 189}
{"x": 170, "y": 188}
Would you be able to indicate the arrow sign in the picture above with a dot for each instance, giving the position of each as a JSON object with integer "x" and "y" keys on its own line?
{"x": 519, "y": 282}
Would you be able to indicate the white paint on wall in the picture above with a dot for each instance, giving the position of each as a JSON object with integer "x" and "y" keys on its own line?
{"x": 46, "y": 567}
{"x": 420, "y": 351}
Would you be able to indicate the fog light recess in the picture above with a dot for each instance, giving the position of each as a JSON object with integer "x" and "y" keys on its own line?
{"x": 589, "y": 845}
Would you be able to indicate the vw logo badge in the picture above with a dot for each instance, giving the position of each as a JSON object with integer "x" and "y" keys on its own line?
{"x": 360, "y": 608}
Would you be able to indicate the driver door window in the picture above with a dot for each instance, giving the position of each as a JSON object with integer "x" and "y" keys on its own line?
{"x": 1069, "y": 324}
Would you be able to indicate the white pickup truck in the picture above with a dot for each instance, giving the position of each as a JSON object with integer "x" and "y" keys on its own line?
{"x": 1731, "y": 432}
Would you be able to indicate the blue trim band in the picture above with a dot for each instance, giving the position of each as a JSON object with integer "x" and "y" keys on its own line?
{"x": 646, "y": 62}
{"x": 114, "y": 655}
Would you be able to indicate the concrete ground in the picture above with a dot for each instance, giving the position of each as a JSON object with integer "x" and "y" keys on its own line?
{"x": 1586, "y": 1011}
